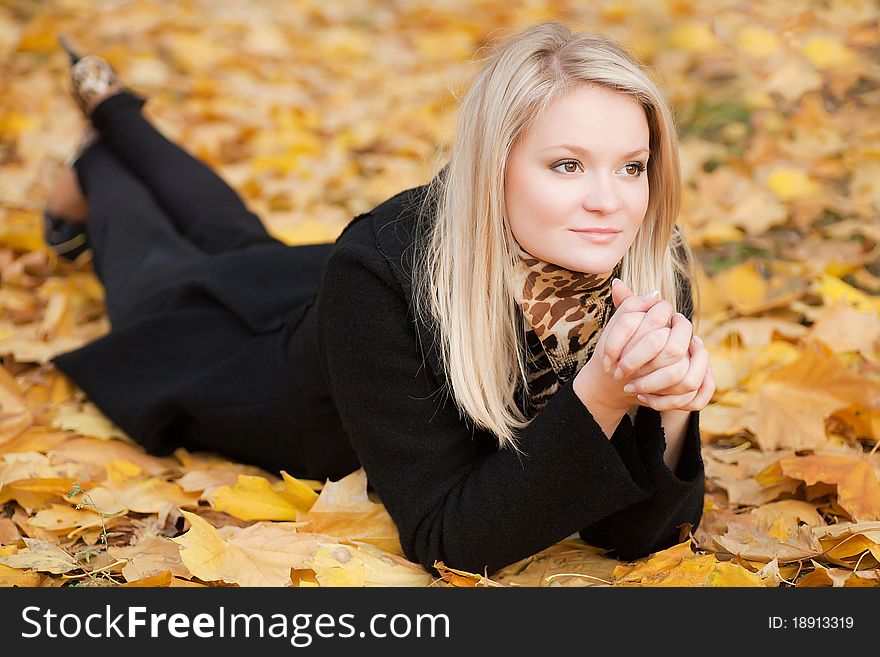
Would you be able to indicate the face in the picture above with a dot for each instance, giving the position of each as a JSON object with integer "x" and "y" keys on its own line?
{"x": 580, "y": 166}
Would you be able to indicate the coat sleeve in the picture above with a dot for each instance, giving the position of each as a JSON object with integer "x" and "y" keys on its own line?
{"x": 654, "y": 523}
{"x": 452, "y": 499}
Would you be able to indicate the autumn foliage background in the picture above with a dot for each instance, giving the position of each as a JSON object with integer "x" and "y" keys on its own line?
{"x": 316, "y": 110}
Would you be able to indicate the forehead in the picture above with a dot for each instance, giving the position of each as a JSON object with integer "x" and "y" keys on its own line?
{"x": 591, "y": 117}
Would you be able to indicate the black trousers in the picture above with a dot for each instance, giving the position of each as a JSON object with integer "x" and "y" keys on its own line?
{"x": 148, "y": 201}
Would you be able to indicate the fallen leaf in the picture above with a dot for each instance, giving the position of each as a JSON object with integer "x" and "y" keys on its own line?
{"x": 858, "y": 488}
{"x": 344, "y": 510}
{"x": 745, "y": 538}
{"x": 259, "y": 555}
{"x": 87, "y": 420}
{"x": 41, "y": 556}
{"x": 161, "y": 579}
{"x": 254, "y": 498}
{"x": 364, "y": 565}
{"x": 149, "y": 557}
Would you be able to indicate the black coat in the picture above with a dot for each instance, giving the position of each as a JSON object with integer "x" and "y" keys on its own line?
{"x": 308, "y": 359}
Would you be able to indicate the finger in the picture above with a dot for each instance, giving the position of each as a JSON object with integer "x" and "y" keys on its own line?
{"x": 623, "y": 319}
{"x": 700, "y": 400}
{"x": 705, "y": 393}
{"x": 649, "y": 351}
{"x": 667, "y": 402}
{"x": 651, "y": 344}
{"x": 659, "y": 315}
{"x": 619, "y": 291}
{"x": 685, "y": 375}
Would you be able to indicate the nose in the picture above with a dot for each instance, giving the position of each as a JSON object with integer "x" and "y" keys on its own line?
{"x": 600, "y": 195}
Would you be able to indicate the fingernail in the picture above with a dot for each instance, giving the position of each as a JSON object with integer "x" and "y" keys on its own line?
{"x": 641, "y": 397}
{"x": 614, "y": 281}
{"x": 629, "y": 387}
{"x": 607, "y": 363}
{"x": 698, "y": 340}
{"x": 655, "y": 294}
{"x": 618, "y": 374}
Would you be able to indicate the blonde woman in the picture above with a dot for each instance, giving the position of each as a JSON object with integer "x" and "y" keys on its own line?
{"x": 485, "y": 346}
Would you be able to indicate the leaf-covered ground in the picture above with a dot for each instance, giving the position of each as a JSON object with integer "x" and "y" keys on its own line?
{"x": 316, "y": 110}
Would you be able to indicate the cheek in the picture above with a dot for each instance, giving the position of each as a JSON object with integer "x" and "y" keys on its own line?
{"x": 530, "y": 198}
{"x": 637, "y": 205}
{"x": 517, "y": 197}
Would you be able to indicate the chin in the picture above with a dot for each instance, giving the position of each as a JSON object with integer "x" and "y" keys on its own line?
{"x": 590, "y": 264}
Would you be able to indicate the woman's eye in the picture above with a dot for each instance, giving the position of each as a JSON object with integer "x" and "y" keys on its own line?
{"x": 570, "y": 166}
{"x": 635, "y": 169}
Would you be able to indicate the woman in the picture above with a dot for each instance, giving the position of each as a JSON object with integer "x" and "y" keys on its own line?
{"x": 465, "y": 341}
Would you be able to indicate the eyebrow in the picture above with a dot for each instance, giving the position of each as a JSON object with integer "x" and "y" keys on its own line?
{"x": 578, "y": 149}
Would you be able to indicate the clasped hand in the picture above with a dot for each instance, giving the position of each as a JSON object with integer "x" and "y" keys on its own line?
{"x": 648, "y": 353}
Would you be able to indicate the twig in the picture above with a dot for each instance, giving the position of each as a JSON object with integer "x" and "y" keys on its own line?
{"x": 547, "y": 579}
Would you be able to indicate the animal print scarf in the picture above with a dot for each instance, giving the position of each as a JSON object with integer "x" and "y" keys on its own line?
{"x": 564, "y": 312}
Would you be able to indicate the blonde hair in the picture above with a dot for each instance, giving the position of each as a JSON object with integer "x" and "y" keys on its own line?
{"x": 462, "y": 279}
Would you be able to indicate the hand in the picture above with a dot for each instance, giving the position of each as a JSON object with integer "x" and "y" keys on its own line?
{"x": 664, "y": 366}
{"x": 691, "y": 393}
{"x": 593, "y": 384}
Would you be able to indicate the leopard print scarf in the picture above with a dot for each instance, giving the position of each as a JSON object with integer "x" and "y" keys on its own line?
{"x": 564, "y": 312}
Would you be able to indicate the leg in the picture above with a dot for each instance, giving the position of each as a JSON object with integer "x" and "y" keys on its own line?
{"x": 204, "y": 208}
{"x": 133, "y": 241}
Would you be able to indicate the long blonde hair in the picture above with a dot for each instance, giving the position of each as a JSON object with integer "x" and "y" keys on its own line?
{"x": 462, "y": 279}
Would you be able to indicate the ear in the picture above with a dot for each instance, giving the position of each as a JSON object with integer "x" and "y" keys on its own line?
{"x": 619, "y": 292}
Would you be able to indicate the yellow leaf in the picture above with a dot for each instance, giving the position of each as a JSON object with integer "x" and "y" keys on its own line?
{"x": 16, "y": 576}
{"x": 60, "y": 517}
{"x": 715, "y": 233}
{"x": 176, "y": 582}
{"x": 150, "y": 556}
{"x": 742, "y": 286}
{"x": 36, "y": 493}
{"x": 745, "y": 538}
{"x": 260, "y": 555}
{"x": 781, "y": 519}
{"x": 827, "y": 52}
{"x": 757, "y": 41}
{"x": 34, "y": 439}
{"x": 158, "y": 580}
{"x": 656, "y": 564}
{"x": 296, "y": 492}
{"x": 142, "y": 496}
{"x": 88, "y": 421}
{"x": 103, "y": 452}
{"x": 729, "y": 574}
{"x": 790, "y": 408}
{"x": 693, "y": 38}
{"x": 858, "y": 489}
{"x": 119, "y": 471}
{"x": 842, "y": 328}
{"x": 832, "y": 289}
{"x": 41, "y": 555}
{"x": 789, "y": 184}
{"x": 364, "y": 565}
{"x": 253, "y": 498}
{"x": 344, "y": 510}
{"x": 849, "y": 541}
{"x": 16, "y": 123}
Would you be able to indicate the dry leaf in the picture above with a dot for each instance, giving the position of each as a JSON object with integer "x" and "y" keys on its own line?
{"x": 149, "y": 557}
{"x": 41, "y": 556}
{"x": 259, "y": 555}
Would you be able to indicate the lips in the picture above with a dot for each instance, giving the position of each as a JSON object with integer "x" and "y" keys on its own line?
{"x": 596, "y": 230}
{"x": 598, "y": 237}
